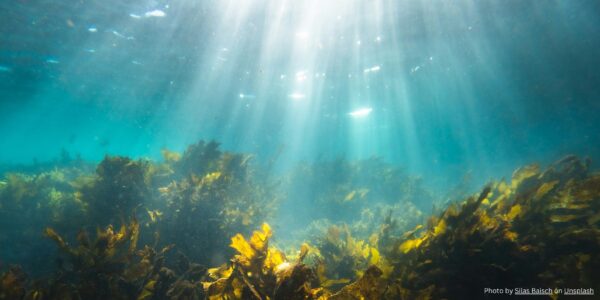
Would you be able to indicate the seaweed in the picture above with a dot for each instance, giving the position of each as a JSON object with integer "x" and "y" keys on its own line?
{"x": 261, "y": 272}
{"x": 202, "y": 209}
{"x": 540, "y": 228}
{"x": 199, "y": 158}
{"x": 12, "y": 284}
{"x": 30, "y": 202}
{"x": 366, "y": 189}
{"x": 109, "y": 267}
{"x": 518, "y": 234}
{"x": 119, "y": 186}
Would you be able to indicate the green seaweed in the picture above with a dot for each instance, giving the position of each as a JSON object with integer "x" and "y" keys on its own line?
{"x": 540, "y": 228}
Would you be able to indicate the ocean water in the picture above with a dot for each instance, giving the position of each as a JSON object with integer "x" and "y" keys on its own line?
{"x": 339, "y": 111}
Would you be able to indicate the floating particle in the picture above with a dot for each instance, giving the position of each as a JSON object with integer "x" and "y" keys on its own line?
{"x": 135, "y": 16}
{"x": 92, "y": 29}
{"x": 52, "y": 61}
{"x": 361, "y": 112}
{"x": 246, "y": 96}
{"x": 301, "y": 76}
{"x": 296, "y": 96}
{"x": 118, "y": 34}
{"x": 375, "y": 68}
{"x": 157, "y": 13}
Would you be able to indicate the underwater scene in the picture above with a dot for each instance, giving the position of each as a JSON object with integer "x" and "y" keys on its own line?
{"x": 299, "y": 149}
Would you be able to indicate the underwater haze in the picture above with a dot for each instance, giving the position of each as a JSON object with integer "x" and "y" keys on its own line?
{"x": 364, "y": 132}
{"x": 445, "y": 87}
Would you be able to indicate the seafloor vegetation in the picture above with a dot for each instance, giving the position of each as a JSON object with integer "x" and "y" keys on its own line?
{"x": 196, "y": 226}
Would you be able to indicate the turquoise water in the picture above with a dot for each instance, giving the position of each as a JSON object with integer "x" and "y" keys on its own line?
{"x": 454, "y": 87}
{"x": 452, "y": 94}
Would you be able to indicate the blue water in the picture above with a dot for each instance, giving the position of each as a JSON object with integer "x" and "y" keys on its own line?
{"x": 446, "y": 87}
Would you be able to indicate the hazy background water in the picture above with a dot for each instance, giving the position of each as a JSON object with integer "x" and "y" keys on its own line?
{"x": 442, "y": 88}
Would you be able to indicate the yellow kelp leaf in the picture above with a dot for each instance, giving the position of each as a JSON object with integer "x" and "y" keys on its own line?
{"x": 485, "y": 202}
{"x": 154, "y": 214}
{"x": 375, "y": 257}
{"x": 303, "y": 251}
{"x": 545, "y": 188}
{"x": 523, "y": 173}
{"x": 563, "y": 218}
{"x": 514, "y": 212}
{"x": 224, "y": 271}
{"x": 330, "y": 282}
{"x": 274, "y": 259}
{"x": 223, "y": 289}
{"x": 410, "y": 245}
{"x": 49, "y": 232}
{"x": 119, "y": 236}
{"x": 242, "y": 246}
{"x": 350, "y": 196}
{"x": 170, "y": 156}
{"x": 211, "y": 177}
{"x": 148, "y": 291}
{"x": 503, "y": 188}
{"x": 237, "y": 288}
{"x": 359, "y": 248}
{"x": 259, "y": 239}
{"x": 510, "y": 235}
{"x": 486, "y": 221}
{"x": 440, "y": 228}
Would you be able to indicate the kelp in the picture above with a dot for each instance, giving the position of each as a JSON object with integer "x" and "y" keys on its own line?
{"x": 30, "y": 202}
{"x": 513, "y": 234}
{"x": 12, "y": 284}
{"x": 341, "y": 258}
{"x": 112, "y": 267}
{"x": 540, "y": 228}
{"x": 258, "y": 271}
{"x": 211, "y": 196}
{"x": 200, "y": 158}
{"x": 119, "y": 186}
